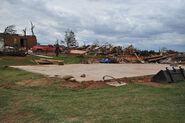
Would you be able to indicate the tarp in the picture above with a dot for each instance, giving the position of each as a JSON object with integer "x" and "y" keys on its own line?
{"x": 105, "y": 61}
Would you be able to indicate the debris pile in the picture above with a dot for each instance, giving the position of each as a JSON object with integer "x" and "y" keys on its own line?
{"x": 12, "y": 51}
{"x": 117, "y": 54}
{"x": 106, "y": 49}
{"x": 175, "y": 58}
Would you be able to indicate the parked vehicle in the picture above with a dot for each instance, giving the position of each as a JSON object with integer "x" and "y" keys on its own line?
{"x": 49, "y": 48}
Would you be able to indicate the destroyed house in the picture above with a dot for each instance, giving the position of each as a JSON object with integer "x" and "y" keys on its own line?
{"x": 21, "y": 41}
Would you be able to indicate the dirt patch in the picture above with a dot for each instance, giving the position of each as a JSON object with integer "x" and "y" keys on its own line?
{"x": 12, "y": 117}
{"x": 70, "y": 85}
{"x": 145, "y": 80}
{"x": 83, "y": 85}
{"x": 6, "y": 85}
{"x": 92, "y": 84}
{"x": 11, "y": 57}
{"x": 39, "y": 82}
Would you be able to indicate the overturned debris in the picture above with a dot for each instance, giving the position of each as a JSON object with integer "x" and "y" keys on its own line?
{"x": 115, "y": 83}
{"x": 83, "y": 75}
{"x": 42, "y": 56}
{"x": 169, "y": 76}
{"x": 49, "y": 61}
{"x": 67, "y": 77}
{"x": 11, "y": 51}
{"x": 43, "y": 61}
{"x": 80, "y": 52}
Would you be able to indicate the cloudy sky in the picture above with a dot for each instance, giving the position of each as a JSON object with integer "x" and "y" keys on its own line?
{"x": 147, "y": 24}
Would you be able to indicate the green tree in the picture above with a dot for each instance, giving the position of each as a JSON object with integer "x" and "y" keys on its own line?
{"x": 70, "y": 39}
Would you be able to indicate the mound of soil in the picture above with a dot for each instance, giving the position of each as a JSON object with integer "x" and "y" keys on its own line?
{"x": 83, "y": 85}
{"x": 145, "y": 80}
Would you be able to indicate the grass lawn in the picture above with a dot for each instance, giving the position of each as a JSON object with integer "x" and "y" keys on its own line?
{"x": 51, "y": 103}
{"x": 28, "y": 60}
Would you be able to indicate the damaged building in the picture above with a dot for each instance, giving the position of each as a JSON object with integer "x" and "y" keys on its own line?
{"x": 21, "y": 41}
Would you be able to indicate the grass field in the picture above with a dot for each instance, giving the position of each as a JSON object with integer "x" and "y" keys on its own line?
{"x": 28, "y": 60}
{"x": 52, "y": 103}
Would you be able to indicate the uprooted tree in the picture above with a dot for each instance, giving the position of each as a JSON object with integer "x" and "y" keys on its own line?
{"x": 24, "y": 31}
{"x": 10, "y": 29}
{"x": 70, "y": 39}
{"x": 32, "y": 27}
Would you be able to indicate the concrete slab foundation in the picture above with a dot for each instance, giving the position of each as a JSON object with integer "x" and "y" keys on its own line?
{"x": 96, "y": 71}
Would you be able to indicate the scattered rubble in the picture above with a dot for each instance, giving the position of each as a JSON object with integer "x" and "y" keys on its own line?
{"x": 43, "y": 61}
{"x": 145, "y": 80}
{"x": 83, "y": 76}
{"x": 115, "y": 82}
{"x": 49, "y": 61}
{"x": 120, "y": 55}
{"x": 60, "y": 63}
{"x": 67, "y": 77}
{"x": 42, "y": 56}
{"x": 80, "y": 52}
{"x": 12, "y": 51}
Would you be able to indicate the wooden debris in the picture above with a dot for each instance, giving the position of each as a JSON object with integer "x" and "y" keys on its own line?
{"x": 78, "y": 52}
{"x": 48, "y": 61}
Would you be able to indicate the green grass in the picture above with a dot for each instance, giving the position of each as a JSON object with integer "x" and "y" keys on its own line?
{"x": 69, "y": 60}
{"x": 77, "y": 59}
{"x": 132, "y": 103}
{"x": 29, "y": 60}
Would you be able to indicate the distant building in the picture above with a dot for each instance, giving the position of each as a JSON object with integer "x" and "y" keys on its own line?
{"x": 21, "y": 41}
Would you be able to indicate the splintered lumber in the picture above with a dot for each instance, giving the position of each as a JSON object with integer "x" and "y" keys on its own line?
{"x": 43, "y": 62}
{"x": 47, "y": 61}
{"x": 160, "y": 58}
{"x": 52, "y": 60}
{"x": 42, "y": 56}
{"x": 78, "y": 52}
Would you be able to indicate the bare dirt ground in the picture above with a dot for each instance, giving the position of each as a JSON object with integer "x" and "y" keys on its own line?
{"x": 145, "y": 80}
{"x": 78, "y": 86}
{"x": 95, "y": 72}
{"x": 38, "y": 82}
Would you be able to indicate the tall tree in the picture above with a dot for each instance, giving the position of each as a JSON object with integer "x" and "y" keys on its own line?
{"x": 70, "y": 39}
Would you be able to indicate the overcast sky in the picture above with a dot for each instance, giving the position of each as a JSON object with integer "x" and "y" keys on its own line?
{"x": 147, "y": 24}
